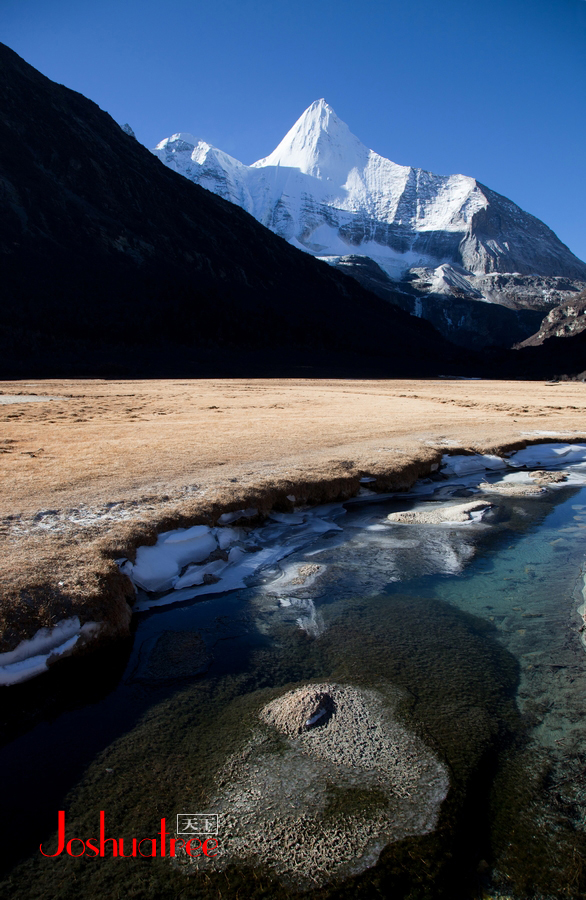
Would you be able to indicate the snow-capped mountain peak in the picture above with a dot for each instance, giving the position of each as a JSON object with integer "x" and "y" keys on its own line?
{"x": 325, "y": 192}
{"x": 187, "y": 146}
{"x": 319, "y": 144}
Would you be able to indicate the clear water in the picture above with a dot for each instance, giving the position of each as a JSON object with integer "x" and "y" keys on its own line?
{"x": 476, "y": 626}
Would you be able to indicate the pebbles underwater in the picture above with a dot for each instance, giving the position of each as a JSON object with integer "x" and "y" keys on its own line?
{"x": 389, "y": 708}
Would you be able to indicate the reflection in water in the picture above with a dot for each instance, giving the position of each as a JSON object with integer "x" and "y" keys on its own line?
{"x": 471, "y": 634}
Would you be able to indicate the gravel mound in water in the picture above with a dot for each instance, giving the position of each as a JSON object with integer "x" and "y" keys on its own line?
{"x": 438, "y": 515}
{"x": 511, "y": 489}
{"x": 522, "y": 489}
{"x": 301, "y": 710}
{"x": 324, "y": 784}
{"x": 548, "y": 477}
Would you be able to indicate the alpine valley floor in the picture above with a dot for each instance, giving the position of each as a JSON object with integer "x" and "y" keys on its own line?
{"x": 392, "y": 706}
{"x": 91, "y": 469}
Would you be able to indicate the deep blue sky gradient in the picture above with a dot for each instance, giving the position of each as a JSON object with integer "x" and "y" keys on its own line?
{"x": 496, "y": 89}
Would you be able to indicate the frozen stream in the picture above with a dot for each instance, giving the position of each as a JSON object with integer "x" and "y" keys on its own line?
{"x": 461, "y": 641}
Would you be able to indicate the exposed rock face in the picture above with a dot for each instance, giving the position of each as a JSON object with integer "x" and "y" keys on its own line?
{"x": 566, "y": 320}
{"x": 534, "y": 292}
{"x": 559, "y": 345}
{"x": 449, "y": 236}
{"x": 113, "y": 264}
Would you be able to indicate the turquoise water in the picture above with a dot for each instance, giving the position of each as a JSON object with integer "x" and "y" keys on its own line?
{"x": 475, "y": 627}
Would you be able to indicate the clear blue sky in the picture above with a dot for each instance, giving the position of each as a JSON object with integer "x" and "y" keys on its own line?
{"x": 495, "y": 89}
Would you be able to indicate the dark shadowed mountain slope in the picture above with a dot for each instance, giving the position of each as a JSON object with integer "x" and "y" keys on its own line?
{"x": 113, "y": 262}
{"x": 462, "y": 320}
{"x": 555, "y": 357}
{"x": 558, "y": 348}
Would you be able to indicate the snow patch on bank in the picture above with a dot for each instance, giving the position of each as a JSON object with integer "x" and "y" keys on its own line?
{"x": 188, "y": 563}
{"x": 26, "y": 398}
{"x": 461, "y": 464}
{"x": 33, "y": 657}
{"x": 549, "y": 455}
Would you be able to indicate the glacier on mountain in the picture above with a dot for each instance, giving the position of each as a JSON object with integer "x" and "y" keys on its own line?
{"x": 326, "y": 193}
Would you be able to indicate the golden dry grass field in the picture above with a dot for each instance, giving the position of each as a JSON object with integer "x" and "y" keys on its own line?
{"x": 92, "y": 468}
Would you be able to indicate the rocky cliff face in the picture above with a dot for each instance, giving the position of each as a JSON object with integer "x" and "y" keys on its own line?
{"x": 447, "y": 236}
{"x": 566, "y": 320}
{"x": 112, "y": 263}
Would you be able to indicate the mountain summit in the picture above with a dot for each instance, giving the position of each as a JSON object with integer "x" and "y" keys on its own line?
{"x": 319, "y": 144}
{"x": 445, "y": 237}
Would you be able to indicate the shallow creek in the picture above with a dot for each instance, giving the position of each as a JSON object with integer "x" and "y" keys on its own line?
{"x": 462, "y": 642}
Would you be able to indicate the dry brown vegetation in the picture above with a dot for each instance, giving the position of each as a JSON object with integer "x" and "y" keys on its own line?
{"x": 99, "y": 469}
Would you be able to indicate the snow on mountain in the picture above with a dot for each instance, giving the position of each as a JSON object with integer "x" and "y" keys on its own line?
{"x": 319, "y": 144}
{"x": 328, "y": 194}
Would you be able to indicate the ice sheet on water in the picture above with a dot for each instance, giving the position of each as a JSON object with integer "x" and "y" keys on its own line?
{"x": 465, "y": 470}
{"x": 320, "y": 525}
{"x": 196, "y": 574}
{"x": 226, "y": 536}
{"x": 181, "y": 535}
{"x": 228, "y": 518}
{"x": 233, "y": 578}
{"x": 157, "y": 567}
{"x": 287, "y": 518}
{"x": 461, "y": 464}
{"x": 518, "y": 478}
{"x": 549, "y": 455}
